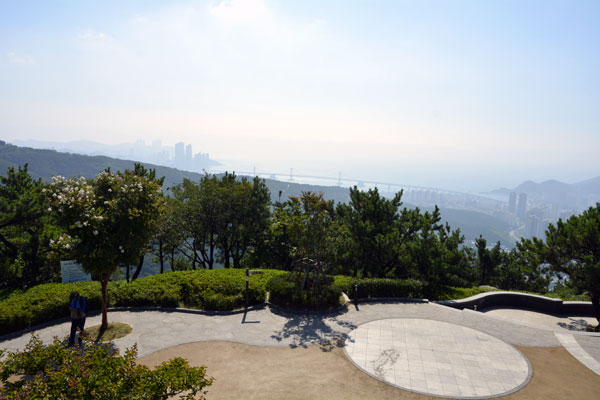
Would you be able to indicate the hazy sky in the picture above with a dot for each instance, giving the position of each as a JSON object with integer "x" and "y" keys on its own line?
{"x": 469, "y": 95}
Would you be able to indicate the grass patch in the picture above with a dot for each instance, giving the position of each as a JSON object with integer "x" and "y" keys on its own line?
{"x": 115, "y": 330}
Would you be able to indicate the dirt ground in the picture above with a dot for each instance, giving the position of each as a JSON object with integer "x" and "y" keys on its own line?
{"x": 323, "y": 372}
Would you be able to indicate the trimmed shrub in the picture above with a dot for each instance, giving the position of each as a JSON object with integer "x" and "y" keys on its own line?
{"x": 44, "y": 303}
{"x": 153, "y": 291}
{"x": 373, "y": 288}
{"x": 203, "y": 289}
{"x": 287, "y": 293}
{"x": 222, "y": 302}
{"x": 455, "y": 293}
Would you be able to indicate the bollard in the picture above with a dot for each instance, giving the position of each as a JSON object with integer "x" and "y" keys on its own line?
{"x": 247, "y": 281}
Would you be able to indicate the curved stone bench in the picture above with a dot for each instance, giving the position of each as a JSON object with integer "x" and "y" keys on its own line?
{"x": 522, "y": 300}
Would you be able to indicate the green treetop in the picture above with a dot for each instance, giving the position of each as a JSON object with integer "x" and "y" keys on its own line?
{"x": 572, "y": 247}
{"x": 108, "y": 220}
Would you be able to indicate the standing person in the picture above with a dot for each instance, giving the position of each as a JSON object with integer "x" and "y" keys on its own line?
{"x": 78, "y": 307}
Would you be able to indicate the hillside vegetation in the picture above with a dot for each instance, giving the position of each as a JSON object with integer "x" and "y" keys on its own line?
{"x": 46, "y": 163}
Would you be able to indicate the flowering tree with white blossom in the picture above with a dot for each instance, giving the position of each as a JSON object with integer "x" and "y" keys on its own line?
{"x": 108, "y": 220}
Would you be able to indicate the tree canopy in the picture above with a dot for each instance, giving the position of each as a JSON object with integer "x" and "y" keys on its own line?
{"x": 227, "y": 220}
{"x": 572, "y": 247}
{"x": 108, "y": 220}
{"x": 25, "y": 233}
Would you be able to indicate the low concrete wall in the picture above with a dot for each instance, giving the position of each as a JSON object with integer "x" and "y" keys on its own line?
{"x": 522, "y": 300}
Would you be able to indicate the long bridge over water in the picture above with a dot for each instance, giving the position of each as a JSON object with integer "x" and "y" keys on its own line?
{"x": 341, "y": 181}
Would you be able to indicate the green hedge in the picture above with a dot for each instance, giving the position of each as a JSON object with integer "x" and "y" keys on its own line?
{"x": 207, "y": 290}
{"x": 204, "y": 289}
{"x": 455, "y": 293}
{"x": 287, "y": 293}
{"x": 44, "y": 303}
{"x": 372, "y": 288}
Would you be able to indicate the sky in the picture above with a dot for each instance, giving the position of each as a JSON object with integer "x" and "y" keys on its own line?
{"x": 463, "y": 95}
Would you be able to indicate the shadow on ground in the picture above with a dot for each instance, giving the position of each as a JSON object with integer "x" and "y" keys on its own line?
{"x": 576, "y": 325}
{"x": 321, "y": 328}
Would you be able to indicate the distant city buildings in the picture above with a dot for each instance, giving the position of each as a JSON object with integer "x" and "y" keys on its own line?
{"x": 179, "y": 156}
{"x": 536, "y": 225}
{"x": 188, "y": 156}
{"x": 512, "y": 203}
{"x": 462, "y": 201}
{"x": 522, "y": 206}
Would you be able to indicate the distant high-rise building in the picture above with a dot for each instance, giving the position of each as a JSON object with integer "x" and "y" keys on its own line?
{"x": 180, "y": 155}
{"x": 512, "y": 203}
{"x": 532, "y": 226}
{"x": 522, "y": 206}
{"x": 188, "y": 156}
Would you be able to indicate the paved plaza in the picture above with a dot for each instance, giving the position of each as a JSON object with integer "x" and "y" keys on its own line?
{"x": 444, "y": 337}
{"x": 437, "y": 358}
{"x": 569, "y": 322}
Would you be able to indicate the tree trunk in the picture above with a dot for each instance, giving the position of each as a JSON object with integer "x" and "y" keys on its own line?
{"x": 173, "y": 259}
{"x": 104, "y": 284}
{"x": 226, "y": 258}
{"x": 139, "y": 268}
{"x": 596, "y": 305}
{"x": 161, "y": 257}
{"x": 14, "y": 250}
{"x": 212, "y": 253}
{"x": 306, "y": 272}
{"x": 195, "y": 258}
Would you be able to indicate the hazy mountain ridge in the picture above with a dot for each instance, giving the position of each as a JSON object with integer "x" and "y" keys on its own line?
{"x": 154, "y": 153}
{"x": 45, "y": 163}
{"x": 472, "y": 224}
{"x": 587, "y": 187}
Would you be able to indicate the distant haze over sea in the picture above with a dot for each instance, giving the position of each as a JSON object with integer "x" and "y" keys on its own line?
{"x": 459, "y": 176}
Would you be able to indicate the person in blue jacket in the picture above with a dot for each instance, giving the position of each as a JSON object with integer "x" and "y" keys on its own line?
{"x": 78, "y": 307}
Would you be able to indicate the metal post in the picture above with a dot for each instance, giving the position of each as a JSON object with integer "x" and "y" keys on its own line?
{"x": 247, "y": 281}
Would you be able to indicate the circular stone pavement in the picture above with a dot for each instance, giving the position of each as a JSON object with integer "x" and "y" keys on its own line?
{"x": 437, "y": 358}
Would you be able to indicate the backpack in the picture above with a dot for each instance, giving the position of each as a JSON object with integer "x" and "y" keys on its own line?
{"x": 80, "y": 308}
{"x": 82, "y": 304}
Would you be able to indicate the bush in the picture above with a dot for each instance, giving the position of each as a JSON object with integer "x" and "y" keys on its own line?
{"x": 44, "y": 303}
{"x": 288, "y": 293}
{"x": 222, "y": 302}
{"x": 162, "y": 290}
{"x": 202, "y": 289}
{"x": 99, "y": 372}
{"x": 373, "y": 288}
{"x": 455, "y": 293}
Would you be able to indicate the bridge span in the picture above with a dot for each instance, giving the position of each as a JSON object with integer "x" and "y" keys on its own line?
{"x": 340, "y": 181}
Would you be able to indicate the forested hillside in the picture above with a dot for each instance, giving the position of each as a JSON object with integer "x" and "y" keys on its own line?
{"x": 45, "y": 163}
